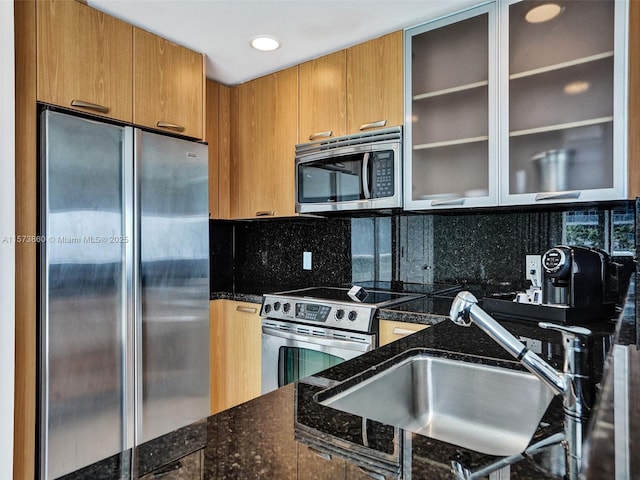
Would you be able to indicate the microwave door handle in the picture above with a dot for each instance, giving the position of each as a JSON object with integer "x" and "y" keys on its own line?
{"x": 365, "y": 176}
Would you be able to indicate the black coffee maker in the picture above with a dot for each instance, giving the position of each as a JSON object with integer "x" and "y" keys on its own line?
{"x": 574, "y": 276}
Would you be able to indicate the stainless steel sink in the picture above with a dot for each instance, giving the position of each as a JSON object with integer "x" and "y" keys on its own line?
{"x": 488, "y": 409}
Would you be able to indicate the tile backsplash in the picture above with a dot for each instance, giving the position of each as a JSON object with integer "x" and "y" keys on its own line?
{"x": 474, "y": 246}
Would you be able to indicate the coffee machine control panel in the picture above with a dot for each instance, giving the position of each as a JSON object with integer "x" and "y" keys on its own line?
{"x": 555, "y": 262}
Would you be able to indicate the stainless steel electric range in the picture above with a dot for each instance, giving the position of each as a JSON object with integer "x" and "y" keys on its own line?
{"x": 308, "y": 330}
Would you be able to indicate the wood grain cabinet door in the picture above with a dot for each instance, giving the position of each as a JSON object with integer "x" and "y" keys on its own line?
{"x": 267, "y": 134}
{"x": 168, "y": 84}
{"x": 390, "y": 331}
{"x": 235, "y": 353}
{"x": 323, "y": 97}
{"x": 374, "y": 83}
{"x": 84, "y": 59}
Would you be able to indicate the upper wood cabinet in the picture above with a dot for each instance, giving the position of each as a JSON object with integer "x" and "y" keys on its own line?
{"x": 265, "y": 135}
{"x": 168, "y": 85}
{"x": 374, "y": 83}
{"x": 352, "y": 90}
{"x": 84, "y": 59}
{"x": 323, "y": 97}
{"x": 217, "y": 111}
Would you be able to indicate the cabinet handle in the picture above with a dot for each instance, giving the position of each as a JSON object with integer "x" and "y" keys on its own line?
{"x": 402, "y": 331}
{"x": 172, "y": 126}
{"x": 453, "y": 201}
{"x": 557, "y": 195}
{"x": 246, "y": 309}
{"x": 90, "y": 106}
{"x": 379, "y": 123}
{"x": 320, "y": 453}
{"x": 372, "y": 474}
{"x": 265, "y": 213}
{"x": 328, "y": 133}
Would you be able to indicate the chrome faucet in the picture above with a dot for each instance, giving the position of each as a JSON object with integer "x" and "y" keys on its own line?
{"x": 570, "y": 383}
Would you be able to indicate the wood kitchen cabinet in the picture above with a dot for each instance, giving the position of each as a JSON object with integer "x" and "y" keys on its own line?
{"x": 235, "y": 333}
{"x": 375, "y": 83}
{"x": 266, "y": 134}
{"x": 323, "y": 97}
{"x": 217, "y": 111}
{"x": 352, "y": 90}
{"x": 168, "y": 85}
{"x": 390, "y": 331}
{"x": 84, "y": 59}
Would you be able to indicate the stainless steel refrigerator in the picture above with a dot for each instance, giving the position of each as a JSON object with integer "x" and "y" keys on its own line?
{"x": 124, "y": 289}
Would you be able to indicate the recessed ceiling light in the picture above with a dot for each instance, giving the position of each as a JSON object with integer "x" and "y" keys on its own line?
{"x": 543, "y": 13}
{"x": 265, "y": 43}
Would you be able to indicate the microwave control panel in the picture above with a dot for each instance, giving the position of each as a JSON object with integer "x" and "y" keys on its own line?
{"x": 383, "y": 175}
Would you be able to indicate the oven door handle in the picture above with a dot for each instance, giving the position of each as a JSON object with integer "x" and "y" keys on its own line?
{"x": 323, "y": 341}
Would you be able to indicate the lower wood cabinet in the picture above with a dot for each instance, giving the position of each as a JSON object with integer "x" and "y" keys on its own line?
{"x": 390, "y": 331}
{"x": 235, "y": 353}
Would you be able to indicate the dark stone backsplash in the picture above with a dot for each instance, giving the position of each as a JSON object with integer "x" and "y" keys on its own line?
{"x": 479, "y": 247}
{"x": 266, "y": 255}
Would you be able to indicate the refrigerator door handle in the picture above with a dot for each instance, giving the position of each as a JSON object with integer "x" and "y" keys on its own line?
{"x": 131, "y": 278}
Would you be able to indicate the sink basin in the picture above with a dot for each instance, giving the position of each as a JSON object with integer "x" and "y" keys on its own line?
{"x": 489, "y": 409}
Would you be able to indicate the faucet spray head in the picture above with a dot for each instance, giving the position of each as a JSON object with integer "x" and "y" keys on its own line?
{"x": 459, "y": 313}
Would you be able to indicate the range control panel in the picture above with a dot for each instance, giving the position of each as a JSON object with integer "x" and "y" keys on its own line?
{"x": 345, "y": 315}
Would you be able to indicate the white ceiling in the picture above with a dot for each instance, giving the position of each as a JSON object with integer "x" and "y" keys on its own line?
{"x": 307, "y": 28}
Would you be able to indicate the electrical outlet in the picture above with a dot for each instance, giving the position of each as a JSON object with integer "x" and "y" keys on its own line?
{"x": 306, "y": 260}
{"x": 532, "y": 344}
{"x": 533, "y": 269}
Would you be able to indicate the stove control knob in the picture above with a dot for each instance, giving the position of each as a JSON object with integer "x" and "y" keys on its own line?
{"x": 353, "y": 315}
{"x": 286, "y": 307}
{"x": 267, "y": 308}
{"x": 276, "y": 306}
{"x": 340, "y": 314}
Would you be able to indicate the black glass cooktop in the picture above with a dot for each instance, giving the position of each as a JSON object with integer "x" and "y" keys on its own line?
{"x": 378, "y": 296}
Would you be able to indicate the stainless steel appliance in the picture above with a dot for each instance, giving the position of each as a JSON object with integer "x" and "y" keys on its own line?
{"x": 353, "y": 172}
{"x": 124, "y": 289}
{"x": 574, "y": 276}
{"x": 308, "y": 330}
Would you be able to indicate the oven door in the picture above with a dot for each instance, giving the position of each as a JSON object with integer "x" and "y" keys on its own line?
{"x": 291, "y": 351}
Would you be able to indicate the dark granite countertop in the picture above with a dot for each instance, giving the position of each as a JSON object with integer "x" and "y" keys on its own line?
{"x": 261, "y": 439}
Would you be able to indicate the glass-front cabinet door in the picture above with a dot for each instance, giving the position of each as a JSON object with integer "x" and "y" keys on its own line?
{"x": 517, "y": 103}
{"x": 450, "y": 131}
{"x": 563, "y": 128}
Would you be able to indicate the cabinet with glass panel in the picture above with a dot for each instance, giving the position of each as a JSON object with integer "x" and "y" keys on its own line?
{"x": 450, "y": 143}
{"x": 514, "y": 104}
{"x": 566, "y": 70}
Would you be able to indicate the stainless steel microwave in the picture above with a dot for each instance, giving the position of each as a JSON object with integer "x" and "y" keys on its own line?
{"x": 354, "y": 172}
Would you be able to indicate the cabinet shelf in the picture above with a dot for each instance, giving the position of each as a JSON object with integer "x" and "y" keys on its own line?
{"x": 560, "y": 66}
{"x": 450, "y": 143}
{"x": 561, "y": 126}
{"x": 447, "y": 91}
